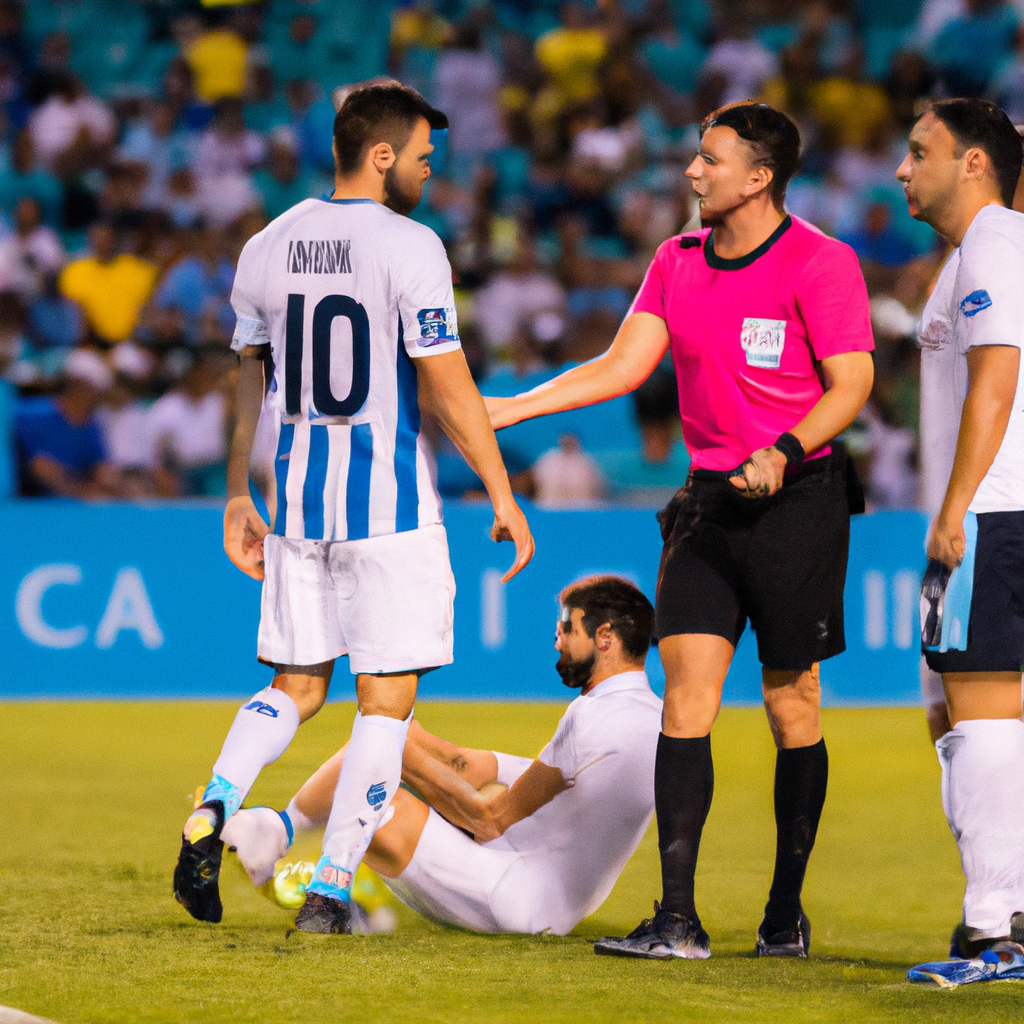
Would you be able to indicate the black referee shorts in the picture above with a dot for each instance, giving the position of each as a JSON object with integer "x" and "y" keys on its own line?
{"x": 995, "y": 625}
{"x": 779, "y": 562}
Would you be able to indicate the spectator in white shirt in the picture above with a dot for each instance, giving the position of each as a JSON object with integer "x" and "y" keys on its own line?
{"x": 31, "y": 253}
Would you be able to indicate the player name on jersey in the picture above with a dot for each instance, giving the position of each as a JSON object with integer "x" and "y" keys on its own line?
{"x": 320, "y": 256}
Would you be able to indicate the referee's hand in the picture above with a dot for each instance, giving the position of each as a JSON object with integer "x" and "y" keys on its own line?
{"x": 761, "y": 475}
{"x": 244, "y": 531}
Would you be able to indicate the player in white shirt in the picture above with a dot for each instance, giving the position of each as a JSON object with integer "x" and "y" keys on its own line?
{"x": 549, "y": 836}
{"x": 351, "y": 304}
{"x": 960, "y": 176}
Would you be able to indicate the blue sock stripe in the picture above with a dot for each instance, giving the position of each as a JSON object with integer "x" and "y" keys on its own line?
{"x": 289, "y": 828}
{"x": 228, "y": 793}
{"x": 331, "y": 880}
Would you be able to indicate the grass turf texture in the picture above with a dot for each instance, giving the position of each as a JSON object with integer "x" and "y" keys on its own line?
{"x": 94, "y": 796}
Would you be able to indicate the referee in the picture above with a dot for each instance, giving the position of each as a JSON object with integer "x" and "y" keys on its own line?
{"x": 767, "y": 321}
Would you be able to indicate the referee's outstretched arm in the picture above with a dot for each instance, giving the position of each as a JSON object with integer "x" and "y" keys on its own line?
{"x": 639, "y": 346}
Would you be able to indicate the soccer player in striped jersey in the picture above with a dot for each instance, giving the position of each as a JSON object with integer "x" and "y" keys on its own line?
{"x": 351, "y": 304}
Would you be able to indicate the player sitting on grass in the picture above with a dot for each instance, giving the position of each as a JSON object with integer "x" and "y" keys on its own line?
{"x": 546, "y": 838}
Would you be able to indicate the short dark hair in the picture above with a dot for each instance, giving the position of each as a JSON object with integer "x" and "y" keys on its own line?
{"x": 774, "y": 138}
{"x": 375, "y": 113}
{"x": 615, "y": 601}
{"x": 977, "y": 123}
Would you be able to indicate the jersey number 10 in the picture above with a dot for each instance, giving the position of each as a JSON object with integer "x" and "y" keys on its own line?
{"x": 329, "y": 307}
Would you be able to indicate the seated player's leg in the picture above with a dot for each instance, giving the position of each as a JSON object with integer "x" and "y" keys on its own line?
{"x": 262, "y": 836}
{"x": 300, "y": 634}
{"x": 395, "y": 598}
{"x": 792, "y": 701}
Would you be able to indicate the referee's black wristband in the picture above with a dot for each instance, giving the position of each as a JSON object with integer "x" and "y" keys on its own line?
{"x": 791, "y": 448}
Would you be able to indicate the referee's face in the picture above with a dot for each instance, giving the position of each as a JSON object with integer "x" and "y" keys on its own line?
{"x": 724, "y": 175}
{"x": 931, "y": 170}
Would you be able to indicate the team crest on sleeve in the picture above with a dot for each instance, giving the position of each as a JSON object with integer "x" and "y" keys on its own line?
{"x": 437, "y": 326}
{"x": 763, "y": 341}
{"x": 974, "y": 303}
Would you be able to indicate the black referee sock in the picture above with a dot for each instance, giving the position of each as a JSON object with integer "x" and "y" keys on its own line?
{"x": 684, "y": 779}
{"x": 801, "y": 778}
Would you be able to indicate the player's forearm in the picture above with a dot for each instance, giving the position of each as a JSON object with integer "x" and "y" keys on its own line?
{"x": 442, "y": 788}
{"x": 248, "y": 405}
{"x": 838, "y": 407}
{"x": 983, "y": 422}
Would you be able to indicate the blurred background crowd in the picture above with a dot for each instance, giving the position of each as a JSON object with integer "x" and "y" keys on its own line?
{"x": 142, "y": 142}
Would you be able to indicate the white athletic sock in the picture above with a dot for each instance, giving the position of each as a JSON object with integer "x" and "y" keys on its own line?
{"x": 260, "y": 837}
{"x": 981, "y": 761}
{"x": 300, "y": 822}
{"x": 259, "y": 735}
{"x": 369, "y": 778}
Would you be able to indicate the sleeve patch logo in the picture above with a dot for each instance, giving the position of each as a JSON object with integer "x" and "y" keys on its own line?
{"x": 436, "y": 327}
{"x": 763, "y": 341}
{"x": 975, "y": 302}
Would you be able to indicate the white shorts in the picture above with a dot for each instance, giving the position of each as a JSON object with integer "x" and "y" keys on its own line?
{"x": 454, "y": 881}
{"x": 385, "y": 601}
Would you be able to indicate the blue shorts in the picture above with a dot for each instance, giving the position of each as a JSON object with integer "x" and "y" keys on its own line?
{"x": 995, "y": 632}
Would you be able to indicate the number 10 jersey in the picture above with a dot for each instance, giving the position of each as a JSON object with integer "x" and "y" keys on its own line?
{"x": 347, "y": 293}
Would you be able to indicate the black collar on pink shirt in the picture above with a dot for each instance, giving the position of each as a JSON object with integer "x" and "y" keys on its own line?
{"x": 720, "y": 263}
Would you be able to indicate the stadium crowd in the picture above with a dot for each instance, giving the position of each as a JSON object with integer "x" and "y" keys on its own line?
{"x": 143, "y": 142}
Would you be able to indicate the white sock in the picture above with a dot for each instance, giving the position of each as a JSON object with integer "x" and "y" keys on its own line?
{"x": 300, "y": 821}
{"x": 981, "y": 761}
{"x": 260, "y": 838}
{"x": 259, "y": 735}
{"x": 369, "y": 778}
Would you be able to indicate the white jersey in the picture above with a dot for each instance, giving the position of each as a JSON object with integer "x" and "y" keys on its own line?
{"x": 942, "y": 389}
{"x": 979, "y": 300}
{"x": 605, "y": 747}
{"x": 347, "y": 293}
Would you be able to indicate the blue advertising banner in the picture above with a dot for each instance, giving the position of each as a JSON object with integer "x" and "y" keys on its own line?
{"x": 128, "y": 601}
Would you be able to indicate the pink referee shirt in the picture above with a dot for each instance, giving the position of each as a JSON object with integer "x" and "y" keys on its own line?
{"x": 747, "y": 334}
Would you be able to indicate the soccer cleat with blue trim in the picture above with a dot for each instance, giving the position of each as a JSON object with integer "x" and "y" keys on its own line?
{"x": 324, "y": 916}
{"x": 1004, "y": 960}
{"x": 197, "y": 873}
{"x": 661, "y": 937}
{"x": 795, "y": 942}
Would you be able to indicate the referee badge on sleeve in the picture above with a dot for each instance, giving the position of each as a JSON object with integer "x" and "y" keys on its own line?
{"x": 763, "y": 341}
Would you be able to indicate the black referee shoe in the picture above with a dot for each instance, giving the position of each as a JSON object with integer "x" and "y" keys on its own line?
{"x": 1017, "y": 927}
{"x": 660, "y": 937}
{"x": 794, "y": 942}
{"x": 197, "y": 873}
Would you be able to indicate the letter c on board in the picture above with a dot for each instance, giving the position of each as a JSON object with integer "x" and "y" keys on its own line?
{"x": 28, "y": 606}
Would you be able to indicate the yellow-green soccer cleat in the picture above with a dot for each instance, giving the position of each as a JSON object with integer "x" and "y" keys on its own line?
{"x": 287, "y": 888}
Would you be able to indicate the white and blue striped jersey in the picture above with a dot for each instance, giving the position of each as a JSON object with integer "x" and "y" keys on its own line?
{"x": 347, "y": 293}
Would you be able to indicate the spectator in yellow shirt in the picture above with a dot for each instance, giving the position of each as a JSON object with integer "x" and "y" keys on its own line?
{"x": 217, "y": 60}
{"x": 572, "y": 55}
{"x": 111, "y": 288}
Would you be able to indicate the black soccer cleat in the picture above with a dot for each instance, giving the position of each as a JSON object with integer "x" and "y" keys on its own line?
{"x": 1017, "y": 927}
{"x": 792, "y": 942}
{"x": 324, "y": 916}
{"x": 964, "y": 945}
{"x": 197, "y": 873}
{"x": 660, "y": 937}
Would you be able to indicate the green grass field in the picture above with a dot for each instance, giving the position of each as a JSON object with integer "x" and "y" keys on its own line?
{"x": 94, "y": 795}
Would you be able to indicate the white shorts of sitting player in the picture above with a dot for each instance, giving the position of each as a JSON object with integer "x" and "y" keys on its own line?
{"x": 455, "y": 881}
{"x": 385, "y": 601}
